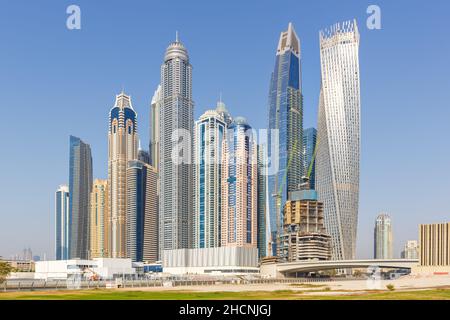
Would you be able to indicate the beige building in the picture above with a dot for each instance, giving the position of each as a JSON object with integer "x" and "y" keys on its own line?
{"x": 122, "y": 147}
{"x": 434, "y": 248}
{"x": 304, "y": 236}
{"x": 99, "y": 220}
{"x": 239, "y": 186}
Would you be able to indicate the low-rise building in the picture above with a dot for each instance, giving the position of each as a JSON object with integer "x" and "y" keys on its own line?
{"x": 217, "y": 260}
{"x": 98, "y": 268}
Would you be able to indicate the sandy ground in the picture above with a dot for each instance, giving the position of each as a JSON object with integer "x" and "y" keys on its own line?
{"x": 335, "y": 287}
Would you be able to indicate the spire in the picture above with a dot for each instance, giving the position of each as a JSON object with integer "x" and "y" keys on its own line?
{"x": 176, "y": 36}
{"x": 139, "y": 145}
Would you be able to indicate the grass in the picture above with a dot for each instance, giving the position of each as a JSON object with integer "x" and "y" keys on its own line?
{"x": 101, "y": 294}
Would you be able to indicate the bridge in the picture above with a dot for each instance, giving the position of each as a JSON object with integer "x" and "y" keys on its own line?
{"x": 283, "y": 268}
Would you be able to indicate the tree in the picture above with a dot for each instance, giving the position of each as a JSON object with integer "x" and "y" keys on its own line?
{"x": 5, "y": 270}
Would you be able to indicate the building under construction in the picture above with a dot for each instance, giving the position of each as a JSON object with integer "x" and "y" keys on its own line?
{"x": 304, "y": 236}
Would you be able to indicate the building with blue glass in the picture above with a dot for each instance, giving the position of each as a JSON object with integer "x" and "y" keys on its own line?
{"x": 285, "y": 141}
{"x": 209, "y": 134}
{"x": 142, "y": 212}
{"x": 309, "y": 146}
{"x": 80, "y": 186}
{"x": 62, "y": 226}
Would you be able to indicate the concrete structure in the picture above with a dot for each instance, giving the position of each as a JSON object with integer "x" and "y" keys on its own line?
{"x": 273, "y": 269}
{"x": 338, "y": 136}
{"x": 434, "y": 243}
{"x": 309, "y": 161}
{"x": 99, "y": 220}
{"x": 62, "y": 225}
{"x": 263, "y": 218}
{"x": 104, "y": 268}
{"x": 220, "y": 260}
{"x": 304, "y": 236}
{"x": 286, "y": 116}
{"x": 209, "y": 134}
{"x": 176, "y": 121}
{"x": 142, "y": 212}
{"x": 383, "y": 239}
{"x": 80, "y": 186}
{"x": 154, "y": 128}
{"x": 239, "y": 186}
{"x": 122, "y": 147}
{"x": 21, "y": 265}
{"x": 410, "y": 250}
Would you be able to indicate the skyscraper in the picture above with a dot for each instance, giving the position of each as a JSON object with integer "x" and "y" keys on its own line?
{"x": 62, "y": 225}
{"x": 209, "y": 133}
{"x": 309, "y": 145}
{"x": 80, "y": 186}
{"x": 383, "y": 237}
{"x": 143, "y": 156}
{"x": 263, "y": 227}
{"x": 99, "y": 220}
{"x": 239, "y": 186}
{"x": 142, "y": 212}
{"x": 154, "y": 128}
{"x": 122, "y": 147}
{"x": 410, "y": 250}
{"x": 286, "y": 116}
{"x": 175, "y": 157}
{"x": 338, "y": 136}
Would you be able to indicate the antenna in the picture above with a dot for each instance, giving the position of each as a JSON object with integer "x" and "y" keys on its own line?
{"x": 176, "y": 36}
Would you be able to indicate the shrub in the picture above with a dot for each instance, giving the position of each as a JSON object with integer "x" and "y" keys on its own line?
{"x": 390, "y": 287}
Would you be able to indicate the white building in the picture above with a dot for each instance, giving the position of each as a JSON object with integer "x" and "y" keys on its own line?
{"x": 410, "y": 250}
{"x": 104, "y": 268}
{"x": 338, "y": 137}
{"x": 219, "y": 260}
{"x": 383, "y": 239}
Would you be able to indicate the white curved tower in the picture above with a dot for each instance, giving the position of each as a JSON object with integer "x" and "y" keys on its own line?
{"x": 338, "y": 138}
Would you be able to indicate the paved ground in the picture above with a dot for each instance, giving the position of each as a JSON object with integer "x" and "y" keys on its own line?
{"x": 325, "y": 288}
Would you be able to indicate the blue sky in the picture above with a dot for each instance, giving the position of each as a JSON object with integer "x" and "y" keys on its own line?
{"x": 56, "y": 82}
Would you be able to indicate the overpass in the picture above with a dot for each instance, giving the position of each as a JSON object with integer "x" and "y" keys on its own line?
{"x": 283, "y": 268}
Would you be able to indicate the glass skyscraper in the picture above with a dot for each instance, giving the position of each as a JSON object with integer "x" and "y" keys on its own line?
{"x": 176, "y": 121}
{"x": 62, "y": 226}
{"x": 383, "y": 242}
{"x": 309, "y": 145}
{"x": 142, "y": 211}
{"x": 338, "y": 136}
{"x": 263, "y": 229}
{"x": 286, "y": 116}
{"x": 80, "y": 186}
{"x": 209, "y": 133}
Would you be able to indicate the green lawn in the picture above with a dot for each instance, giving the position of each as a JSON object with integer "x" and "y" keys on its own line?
{"x": 432, "y": 294}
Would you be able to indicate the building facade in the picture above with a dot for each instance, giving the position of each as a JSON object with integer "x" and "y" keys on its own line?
{"x": 122, "y": 147}
{"x": 142, "y": 212}
{"x": 285, "y": 116}
{"x": 263, "y": 224}
{"x": 62, "y": 226}
{"x": 175, "y": 157}
{"x": 239, "y": 186}
{"x": 209, "y": 134}
{"x": 338, "y": 136}
{"x": 99, "y": 220}
{"x": 80, "y": 186}
{"x": 410, "y": 250}
{"x": 304, "y": 236}
{"x": 383, "y": 239}
{"x": 309, "y": 161}
{"x": 154, "y": 128}
{"x": 434, "y": 243}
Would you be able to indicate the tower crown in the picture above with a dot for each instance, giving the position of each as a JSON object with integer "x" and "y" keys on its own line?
{"x": 289, "y": 41}
{"x": 176, "y": 50}
{"x": 123, "y": 101}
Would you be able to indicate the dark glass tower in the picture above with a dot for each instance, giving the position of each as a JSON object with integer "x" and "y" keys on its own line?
{"x": 80, "y": 186}
{"x": 286, "y": 116}
{"x": 309, "y": 146}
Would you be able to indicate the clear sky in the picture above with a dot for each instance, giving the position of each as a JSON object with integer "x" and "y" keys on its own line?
{"x": 55, "y": 82}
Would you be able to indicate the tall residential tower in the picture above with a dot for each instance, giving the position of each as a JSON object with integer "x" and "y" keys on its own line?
{"x": 176, "y": 121}
{"x": 62, "y": 225}
{"x": 80, "y": 186}
{"x": 122, "y": 147}
{"x": 338, "y": 136}
{"x": 383, "y": 246}
{"x": 286, "y": 116}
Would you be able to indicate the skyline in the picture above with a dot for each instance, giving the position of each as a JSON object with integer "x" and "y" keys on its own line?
{"x": 103, "y": 102}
